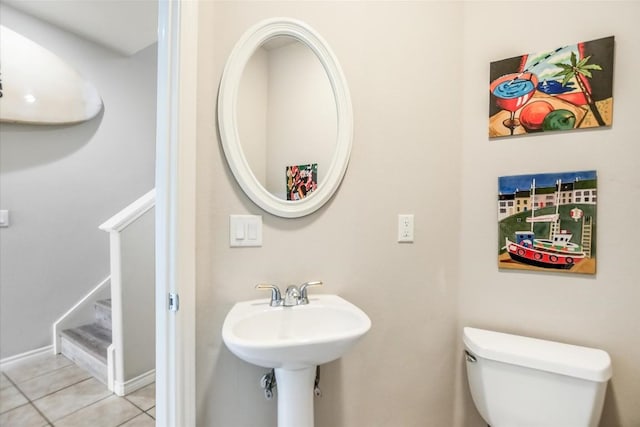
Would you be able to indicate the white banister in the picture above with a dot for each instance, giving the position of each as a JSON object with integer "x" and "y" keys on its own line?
{"x": 132, "y": 264}
{"x": 129, "y": 214}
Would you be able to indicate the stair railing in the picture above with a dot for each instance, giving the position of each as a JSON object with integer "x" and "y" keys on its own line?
{"x": 131, "y": 357}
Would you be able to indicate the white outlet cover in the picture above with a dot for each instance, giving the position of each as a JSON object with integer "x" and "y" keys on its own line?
{"x": 405, "y": 228}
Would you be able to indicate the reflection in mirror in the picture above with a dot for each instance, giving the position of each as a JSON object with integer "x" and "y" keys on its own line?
{"x": 286, "y": 113}
{"x": 281, "y": 125}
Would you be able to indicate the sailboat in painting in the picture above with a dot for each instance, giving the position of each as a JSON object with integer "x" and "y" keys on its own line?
{"x": 558, "y": 235}
{"x": 556, "y": 252}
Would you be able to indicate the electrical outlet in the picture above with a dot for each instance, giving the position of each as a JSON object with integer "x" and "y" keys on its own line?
{"x": 405, "y": 228}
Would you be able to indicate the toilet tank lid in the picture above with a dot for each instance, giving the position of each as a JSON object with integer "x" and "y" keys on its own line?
{"x": 572, "y": 360}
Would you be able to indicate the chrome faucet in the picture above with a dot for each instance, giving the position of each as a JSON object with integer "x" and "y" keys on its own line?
{"x": 303, "y": 291}
{"x": 276, "y": 298}
{"x": 293, "y": 296}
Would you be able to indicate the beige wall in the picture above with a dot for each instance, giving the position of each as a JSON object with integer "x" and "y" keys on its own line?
{"x": 302, "y": 119}
{"x": 405, "y": 152}
{"x": 421, "y": 147}
{"x": 252, "y": 118}
{"x": 601, "y": 310}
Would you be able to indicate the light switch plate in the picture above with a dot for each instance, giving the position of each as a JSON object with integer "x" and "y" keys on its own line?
{"x": 4, "y": 218}
{"x": 245, "y": 230}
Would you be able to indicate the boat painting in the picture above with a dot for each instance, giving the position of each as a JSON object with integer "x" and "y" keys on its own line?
{"x": 547, "y": 222}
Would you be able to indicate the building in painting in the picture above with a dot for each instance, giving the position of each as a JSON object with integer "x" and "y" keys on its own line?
{"x": 578, "y": 192}
{"x": 523, "y": 198}
{"x": 585, "y": 192}
{"x": 506, "y": 205}
{"x": 544, "y": 197}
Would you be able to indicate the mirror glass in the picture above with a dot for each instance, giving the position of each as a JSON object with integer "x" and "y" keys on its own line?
{"x": 287, "y": 120}
{"x": 285, "y": 117}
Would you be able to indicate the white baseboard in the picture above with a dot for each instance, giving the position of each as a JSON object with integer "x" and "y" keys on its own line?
{"x": 111, "y": 367}
{"x": 8, "y": 362}
{"x": 122, "y": 389}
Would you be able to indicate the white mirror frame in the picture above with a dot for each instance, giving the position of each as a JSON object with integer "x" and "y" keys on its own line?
{"x": 228, "y": 125}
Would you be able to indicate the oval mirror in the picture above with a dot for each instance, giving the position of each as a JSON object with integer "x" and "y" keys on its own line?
{"x": 285, "y": 118}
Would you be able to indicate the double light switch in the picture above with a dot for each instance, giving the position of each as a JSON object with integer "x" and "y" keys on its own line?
{"x": 245, "y": 230}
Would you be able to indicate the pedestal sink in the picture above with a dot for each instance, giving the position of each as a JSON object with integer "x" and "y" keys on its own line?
{"x": 293, "y": 341}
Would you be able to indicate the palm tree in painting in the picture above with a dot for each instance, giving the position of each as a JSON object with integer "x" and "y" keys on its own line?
{"x": 580, "y": 70}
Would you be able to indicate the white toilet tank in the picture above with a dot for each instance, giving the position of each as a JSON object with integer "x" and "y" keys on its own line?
{"x": 519, "y": 381}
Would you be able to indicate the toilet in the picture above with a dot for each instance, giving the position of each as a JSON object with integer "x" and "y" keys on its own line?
{"x": 518, "y": 381}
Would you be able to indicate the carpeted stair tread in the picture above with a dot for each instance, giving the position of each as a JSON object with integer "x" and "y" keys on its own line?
{"x": 102, "y": 310}
{"x": 93, "y": 338}
{"x": 104, "y": 302}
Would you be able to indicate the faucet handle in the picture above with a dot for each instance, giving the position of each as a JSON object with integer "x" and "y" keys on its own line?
{"x": 303, "y": 290}
{"x": 276, "y": 298}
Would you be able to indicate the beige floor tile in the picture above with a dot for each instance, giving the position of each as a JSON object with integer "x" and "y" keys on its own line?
{"x": 50, "y": 382}
{"x": 4, "y": 381}
{"x": 142, "y": 420}
{"x": 109, "y": 412}
{"x": 70, "y": 399}
{"x": 145, "y": 398}
{"x": 10, "y": 397}
{"x": 152, "y": 412}
{"x": 36, "y": 366}
{"x": 23, "y": 416}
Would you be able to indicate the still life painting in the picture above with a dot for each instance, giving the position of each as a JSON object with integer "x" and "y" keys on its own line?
{"x": 547, "y": 222}
{"x": 301, "y": 180}
{"x": 561, "y": 89}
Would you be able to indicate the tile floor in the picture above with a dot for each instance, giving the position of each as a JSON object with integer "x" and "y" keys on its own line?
{"x": 49, "y": 390}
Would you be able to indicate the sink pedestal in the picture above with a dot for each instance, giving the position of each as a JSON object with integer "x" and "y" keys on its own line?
{"x": 293, "y": 341}
{"x": 295, "y": 396}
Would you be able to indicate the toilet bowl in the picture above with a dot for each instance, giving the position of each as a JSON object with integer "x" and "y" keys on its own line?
{"x": 518, "y": 381}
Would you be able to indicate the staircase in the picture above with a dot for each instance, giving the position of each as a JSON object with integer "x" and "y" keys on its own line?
{"x": 87, "y": 345}
{"x": 93, "y": 335}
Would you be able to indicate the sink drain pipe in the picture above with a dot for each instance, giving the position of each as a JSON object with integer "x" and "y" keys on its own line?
{"x": 268, "y": 383}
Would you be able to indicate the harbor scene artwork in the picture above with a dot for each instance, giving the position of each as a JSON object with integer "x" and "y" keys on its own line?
{"x": 566, "y": 88}
{"x": 547, "y": 222}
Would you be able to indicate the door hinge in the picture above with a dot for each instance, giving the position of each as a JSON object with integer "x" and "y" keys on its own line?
{"x": 174, "y": 301}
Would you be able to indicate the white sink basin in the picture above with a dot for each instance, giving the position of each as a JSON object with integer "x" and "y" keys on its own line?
{"x": 294, "y": 337}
